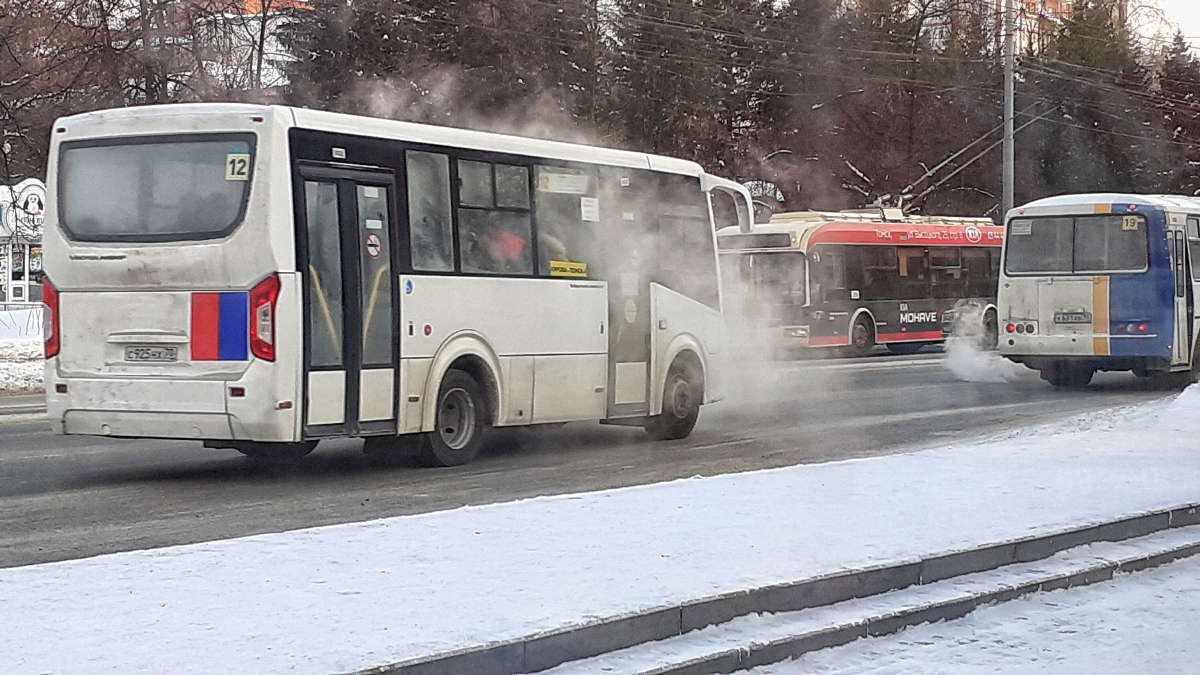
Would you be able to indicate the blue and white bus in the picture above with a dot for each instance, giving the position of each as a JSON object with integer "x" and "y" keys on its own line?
{"x": 1101, "y": 282}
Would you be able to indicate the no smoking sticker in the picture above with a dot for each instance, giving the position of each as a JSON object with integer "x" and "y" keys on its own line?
{"x": 374, "y": 246}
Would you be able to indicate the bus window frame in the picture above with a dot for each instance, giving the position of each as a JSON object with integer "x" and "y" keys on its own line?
{"x": 1073, "y": 272}
{"x": 112, "y": 141}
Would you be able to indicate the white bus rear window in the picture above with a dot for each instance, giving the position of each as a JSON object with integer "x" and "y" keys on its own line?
{"x": 155, "y": 189}
{"x": 1084, "y": 245}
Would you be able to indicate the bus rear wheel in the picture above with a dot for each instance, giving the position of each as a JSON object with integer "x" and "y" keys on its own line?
{"x": 1068, "y": 375}
{"x": 990, "y": 340}
{"x": 682, "y": 396}
{"x": 862, "y": 337}
{"x": 460, "y": 423}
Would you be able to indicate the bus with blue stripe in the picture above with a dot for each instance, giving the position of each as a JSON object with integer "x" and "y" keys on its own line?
{"x": 1101, "y": 282}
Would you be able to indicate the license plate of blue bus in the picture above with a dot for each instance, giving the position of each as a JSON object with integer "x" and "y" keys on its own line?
{"x": 1072, "y": 317}
{"x": 152, "y": 354}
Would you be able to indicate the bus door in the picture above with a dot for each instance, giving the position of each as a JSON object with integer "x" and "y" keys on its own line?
{"x": 1193, "y": 272}
{"x": 351, "y": 352}
{"x": 1182, "y": 341}
{"x": 628, "y": 254}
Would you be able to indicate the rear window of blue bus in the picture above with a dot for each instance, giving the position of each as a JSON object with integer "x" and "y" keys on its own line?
{"x": 155, "y": 188}
{"x": 1077, "y": 245}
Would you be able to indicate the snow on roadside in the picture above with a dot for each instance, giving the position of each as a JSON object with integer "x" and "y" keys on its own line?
{"x": 21, "y": 367}
{"x": 398, "y": 588}
{"x": 1137, "y": 623}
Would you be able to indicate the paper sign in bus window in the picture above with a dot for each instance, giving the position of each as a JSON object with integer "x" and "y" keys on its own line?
{"x": 1021, "y": 227}
{"x": 589, "y": 208}
{"x": 559, "y": 268}
{"x": 1130, "y": 223}
{"x": 237, "y": 166}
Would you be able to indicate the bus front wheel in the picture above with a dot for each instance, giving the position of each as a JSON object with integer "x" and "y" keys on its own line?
{"x": 682, "y": 396}
{"x": 862, "y": 337}
{"x": 461, "y": 421}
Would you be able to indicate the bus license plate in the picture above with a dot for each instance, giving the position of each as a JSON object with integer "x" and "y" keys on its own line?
{"x": 152, "y": 354}
{"x": 1072, "y": 317}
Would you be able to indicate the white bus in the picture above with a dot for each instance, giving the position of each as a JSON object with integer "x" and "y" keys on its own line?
{"x": 261, "y": 278}
{"x": 1102, "y": 282}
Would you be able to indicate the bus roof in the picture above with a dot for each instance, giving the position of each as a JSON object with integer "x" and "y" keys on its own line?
{"x": 1073, "y": 204}
{"x": 803, "y": 229}
{"x": 101, "y": 123}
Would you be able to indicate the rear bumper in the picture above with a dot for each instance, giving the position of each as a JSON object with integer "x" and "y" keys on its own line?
{"x": 179, "y": 409}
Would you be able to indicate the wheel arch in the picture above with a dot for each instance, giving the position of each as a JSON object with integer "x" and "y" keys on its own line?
{"x": 467, "y": 351}
{"x": 686, "y": 347}
{"x": 870, "y": 317}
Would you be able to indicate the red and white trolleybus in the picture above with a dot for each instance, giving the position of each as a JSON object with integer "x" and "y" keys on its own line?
{"x": 862, "y": 278}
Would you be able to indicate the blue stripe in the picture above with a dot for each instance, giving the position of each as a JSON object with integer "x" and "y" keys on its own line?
{"x": 234, "y": 341}
{"x": 1148, "y": 297}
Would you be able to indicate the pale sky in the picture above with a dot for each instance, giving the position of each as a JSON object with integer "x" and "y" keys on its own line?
{"x": 1185, "y": 13}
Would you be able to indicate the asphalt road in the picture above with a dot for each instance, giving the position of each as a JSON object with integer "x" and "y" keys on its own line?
{"x": 71, "y": 497}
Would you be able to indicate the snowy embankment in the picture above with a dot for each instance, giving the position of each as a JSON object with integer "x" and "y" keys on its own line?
{"x": 401, "y": 588}
{"x": 21, "y": 352}
{"x": 21, "y": 367}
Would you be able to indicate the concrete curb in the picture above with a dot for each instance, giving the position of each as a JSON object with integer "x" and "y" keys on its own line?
{"x": 756, "y": 655}
{"x": 553, "y": 648}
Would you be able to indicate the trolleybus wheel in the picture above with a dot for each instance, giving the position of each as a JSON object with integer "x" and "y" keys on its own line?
{"x": 1068, "y": 375}
{"x": 461, "y": 421}
{"x": 681, "y": 404}
{"x": 862, "y": 337}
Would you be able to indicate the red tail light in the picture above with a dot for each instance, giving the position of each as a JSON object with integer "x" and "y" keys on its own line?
{"x": 50, "y": 317}
{"x": 263, "y": 299}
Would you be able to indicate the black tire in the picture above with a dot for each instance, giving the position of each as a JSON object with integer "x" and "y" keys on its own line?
{"x": 990, "y": 340}
{"x": 862, "y": 336}
{"x": 1068, "y": 375}
{"x": 903, "y": 348}
{"x": 682, "y": 395}
{"x": 461, "y": 422}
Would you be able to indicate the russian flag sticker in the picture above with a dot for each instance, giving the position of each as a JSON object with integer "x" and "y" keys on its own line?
{"x": 220, "y": 326}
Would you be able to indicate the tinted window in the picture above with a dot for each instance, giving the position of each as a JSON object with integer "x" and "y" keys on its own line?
{"x": 155, "y": 191}
{"x": 1088, "y": 244}
{"x": 475, "y": 184}
{"x": 1193, "y": 233}
{"x": 881, "y": 272}
{"x": 432, "y": 239}
{"x": 324, "y": 273}
{"x": 496, "y": 242}
{"x": 1110, "y": 244}
{"x": 568, "y": 215}
{"x": 512, "y": 187}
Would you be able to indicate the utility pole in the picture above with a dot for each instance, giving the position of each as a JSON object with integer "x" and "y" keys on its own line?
{"x": 1010, "y": 58}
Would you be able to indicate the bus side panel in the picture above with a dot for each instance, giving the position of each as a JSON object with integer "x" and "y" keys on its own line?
{"x": 562, "y": 324}
{"x": 1148, "y": 298}
{"x": 679, "y": 323}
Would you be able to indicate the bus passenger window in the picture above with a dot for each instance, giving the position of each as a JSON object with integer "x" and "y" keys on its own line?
{"x": 431, "y": 239}
{"x": 880, "y": 273}
{"x": 946, "y": 272}
{"x": 568, "y": 214}
{"x": 914, "y": 273}
{"x": 475, "y": 184}
{"x": 512, "y": 187}
{"x": 1193, "y": 235}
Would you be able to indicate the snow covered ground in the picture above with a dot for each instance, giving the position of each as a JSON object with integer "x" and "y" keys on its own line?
{"x": 21, "y": 366}
{"x": 21, "y": 323}
{"x": 346, "y": 597}
{"x": 1137, "y": 623}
